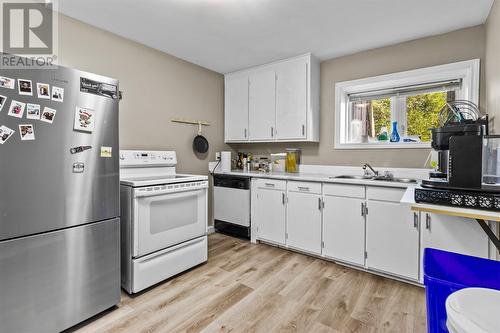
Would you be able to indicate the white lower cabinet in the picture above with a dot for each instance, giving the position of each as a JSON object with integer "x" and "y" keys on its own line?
{"x": 392, "y": 239}
{"x": 455, "y": 234}
{"x": 344, "y": 229}
{"x": 365, "y": 226}
{"x": 269, "y": 214}
{"x": 304, "y": 221}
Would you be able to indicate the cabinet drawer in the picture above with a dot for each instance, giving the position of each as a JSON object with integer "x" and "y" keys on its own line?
{"x": 304, "y": 187}
{"x": 385, "y": 193}
{"x": 345, "y": 190}
{"x": 272, "y": 184}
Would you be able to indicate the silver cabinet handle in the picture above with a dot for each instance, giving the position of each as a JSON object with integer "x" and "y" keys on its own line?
{"x": 415, "y": 220}
{"x": 283, "y": 198}
{"x": 272, "y": 131}
{"x": 319, "y": 203}
{"x": 362, "y": 209}
{"x": 303, "y": 129}
{"x": 269, "y": 184}
{"x": 303, "y": 188}
{"x": 427, "y": 222}
{"x": 245, "y": 133}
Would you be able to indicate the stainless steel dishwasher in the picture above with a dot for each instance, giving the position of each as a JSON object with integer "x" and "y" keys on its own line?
{"x": 232, "y": 205}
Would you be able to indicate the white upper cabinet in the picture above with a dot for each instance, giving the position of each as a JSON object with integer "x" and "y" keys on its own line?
{"x": 291, "y": 99}
{"x": 261, "y": 106}
{"x": 282, "y": 102}
{"x": 236, "y": 104}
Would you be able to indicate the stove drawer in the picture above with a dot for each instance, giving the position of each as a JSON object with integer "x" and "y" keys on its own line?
{"x": 161, "y": 265}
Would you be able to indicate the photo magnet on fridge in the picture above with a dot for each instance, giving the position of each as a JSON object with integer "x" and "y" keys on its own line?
{"x": 43, "y": 90}
{"x": 5, "y": 134}
{"x": 84, "y": 120}
{"x": 48, "y": 115}
{"x": 25, "y": 87}
{"x": 16, "y": 109}
{"x": 57, "y": 94}
{"x": 106, "y": 151}
{"x": 6, "y": 82}
{"x": 3, "y": 99}
{"x": 33, "y": 111}
{"x": 98, "y": 88}
{"x": 27, "y": 132}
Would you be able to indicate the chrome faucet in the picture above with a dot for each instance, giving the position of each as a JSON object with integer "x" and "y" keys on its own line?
{"x": 367, "y": 173}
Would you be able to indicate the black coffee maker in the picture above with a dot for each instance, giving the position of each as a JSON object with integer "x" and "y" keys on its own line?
{"x": 460, "y": 147}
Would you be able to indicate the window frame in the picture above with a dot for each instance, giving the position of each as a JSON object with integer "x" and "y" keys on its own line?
{"x": 468, "y": 71}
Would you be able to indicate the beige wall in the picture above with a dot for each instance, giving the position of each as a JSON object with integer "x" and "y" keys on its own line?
{"x": 493, "y": 66}
{"x": 451, "y": 47}
{"x": 156, "y": 87}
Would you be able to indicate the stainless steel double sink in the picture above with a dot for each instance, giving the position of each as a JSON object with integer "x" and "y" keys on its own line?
{"x": 380, "y": 178}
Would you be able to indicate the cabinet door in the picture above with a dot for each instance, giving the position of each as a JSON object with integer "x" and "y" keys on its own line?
{"x": 454, "y": 234}
{"x": 291, "y": 100}
{"x": 270, "y": 215}
{"x": 304, "y": 221}
{"x": 344, "y": 229}
{"x": 262, "y": 94}
{"x": 392, "y": 239}
{"x": 236, "y": 108}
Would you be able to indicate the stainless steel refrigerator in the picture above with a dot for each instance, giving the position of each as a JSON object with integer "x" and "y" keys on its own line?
{"x": 59, "y": 199}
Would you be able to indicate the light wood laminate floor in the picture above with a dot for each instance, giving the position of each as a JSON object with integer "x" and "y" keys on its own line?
{"x": 259, "y": 288}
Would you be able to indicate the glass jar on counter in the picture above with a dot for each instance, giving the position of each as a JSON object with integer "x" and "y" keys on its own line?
{"x": 278, "y": 162}
{"x": 264, "y": 164}
{"x": 292, "y": 160}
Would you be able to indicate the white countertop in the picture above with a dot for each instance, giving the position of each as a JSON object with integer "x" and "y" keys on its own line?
{"x": 314, "y": 177}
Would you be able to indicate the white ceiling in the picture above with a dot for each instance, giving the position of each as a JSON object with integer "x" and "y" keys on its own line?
{"x": 227, "y": 35}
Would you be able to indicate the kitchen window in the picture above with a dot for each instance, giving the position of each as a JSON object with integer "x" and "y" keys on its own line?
{"x": 368, "y": 110}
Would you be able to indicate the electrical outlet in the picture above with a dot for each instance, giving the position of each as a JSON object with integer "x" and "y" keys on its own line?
{"x": 217, "y": 156}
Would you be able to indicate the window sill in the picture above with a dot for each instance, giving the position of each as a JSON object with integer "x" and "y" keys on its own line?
{"x": 384, "y": 145}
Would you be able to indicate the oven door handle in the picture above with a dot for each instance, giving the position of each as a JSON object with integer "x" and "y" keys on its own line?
{"x": 144, "y": 194}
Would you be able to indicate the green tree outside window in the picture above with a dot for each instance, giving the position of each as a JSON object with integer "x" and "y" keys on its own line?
{"x": 422, "y": 113}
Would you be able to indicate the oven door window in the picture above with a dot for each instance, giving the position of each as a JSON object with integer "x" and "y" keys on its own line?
{"x": 169, "y": 219}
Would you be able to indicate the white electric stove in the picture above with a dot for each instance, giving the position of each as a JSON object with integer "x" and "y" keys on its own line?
{"x": 163, "y": 218}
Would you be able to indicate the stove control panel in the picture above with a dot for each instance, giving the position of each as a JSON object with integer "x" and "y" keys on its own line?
{"x": 136, "y": 158}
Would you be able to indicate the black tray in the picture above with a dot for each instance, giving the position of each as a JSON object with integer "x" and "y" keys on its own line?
{"x": 465, "y": 199}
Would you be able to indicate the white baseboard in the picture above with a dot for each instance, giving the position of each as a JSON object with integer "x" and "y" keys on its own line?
{"x": 211, "y": 229}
